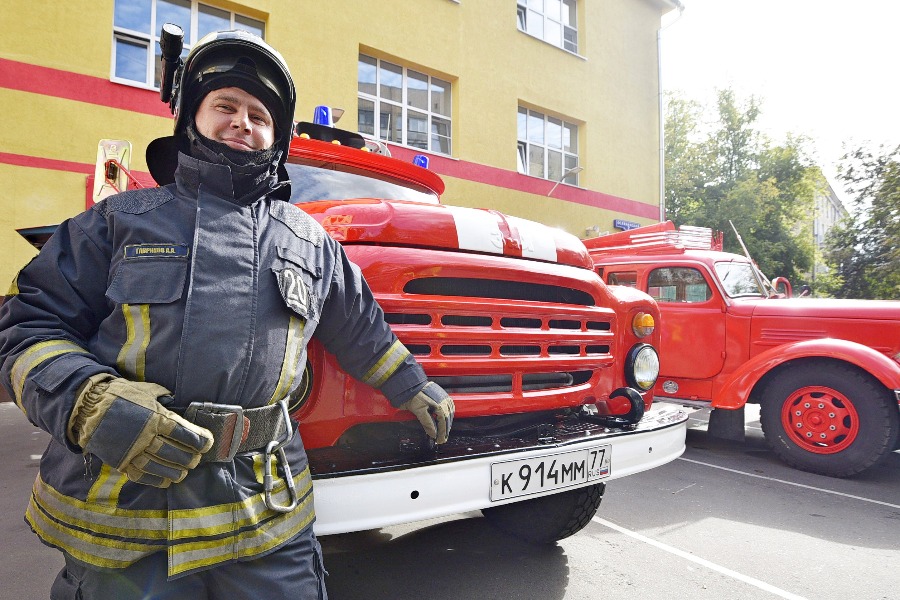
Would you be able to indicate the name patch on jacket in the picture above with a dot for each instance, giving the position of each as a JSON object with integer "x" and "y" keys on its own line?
{"x": 156, "y": 251}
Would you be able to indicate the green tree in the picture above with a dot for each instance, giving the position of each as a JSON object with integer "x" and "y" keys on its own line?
{"x": 864, "y": 251}
{"x": 733, "y": 173}
{"x": 684, "y": 162}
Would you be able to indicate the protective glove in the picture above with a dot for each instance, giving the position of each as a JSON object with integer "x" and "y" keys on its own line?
{"x": 432, "y": 406}
{"x": 123, "y": 424}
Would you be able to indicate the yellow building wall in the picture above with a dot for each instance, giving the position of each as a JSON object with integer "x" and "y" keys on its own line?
{"x": 610, "y": 89}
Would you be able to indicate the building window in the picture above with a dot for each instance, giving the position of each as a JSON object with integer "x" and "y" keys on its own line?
{"x": 550, "y": 20}
{"x": 413, "y": 108}
{"x": 136, "y": 26}
{"x": 547, "y": 147}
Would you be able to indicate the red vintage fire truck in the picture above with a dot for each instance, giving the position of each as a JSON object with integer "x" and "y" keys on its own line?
{"x": 551, "y": 371}
{"x": 826, "y": 373}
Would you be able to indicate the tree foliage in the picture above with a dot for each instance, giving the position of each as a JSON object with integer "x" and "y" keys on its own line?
{"x": 864, "y": 250}
{"x": 729, "y": 171}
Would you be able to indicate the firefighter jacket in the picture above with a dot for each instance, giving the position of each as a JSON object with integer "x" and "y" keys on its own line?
{"x": 216, "y": 301}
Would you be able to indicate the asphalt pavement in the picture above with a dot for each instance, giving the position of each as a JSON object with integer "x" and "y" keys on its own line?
{"x": 725, "y": 521}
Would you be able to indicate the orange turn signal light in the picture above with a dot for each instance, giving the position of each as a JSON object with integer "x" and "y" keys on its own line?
{"x": 643, "y": 324}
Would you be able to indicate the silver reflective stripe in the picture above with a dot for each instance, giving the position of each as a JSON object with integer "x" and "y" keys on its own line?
{"x": 270, "y": 530}
{"x": 34, "y": 356}
{"x": 105, "y": 490}
{"x": 293, "y": 348}
{"x": 103, "y": 520}
{"x": 224, "y": 518}
{"x": 386, "y": 365}
{"x": 89, "y": 548}
{"x": 98, "y": 535}
{"x": 132, "y": 357}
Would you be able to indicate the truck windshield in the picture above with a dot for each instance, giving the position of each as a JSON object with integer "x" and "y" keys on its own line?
{"x": 737, "y": 279}
{"x": 309, "y": 183}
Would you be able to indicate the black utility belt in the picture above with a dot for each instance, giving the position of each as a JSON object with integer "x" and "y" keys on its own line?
{"x": 238, "y": 429}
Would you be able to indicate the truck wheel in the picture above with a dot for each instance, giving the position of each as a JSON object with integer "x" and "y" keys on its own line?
{"x": 829, "y": 420}
{"x": 550, "y": 518}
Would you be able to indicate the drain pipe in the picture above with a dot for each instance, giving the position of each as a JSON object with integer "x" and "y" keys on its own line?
{"x": 662, "y": 116}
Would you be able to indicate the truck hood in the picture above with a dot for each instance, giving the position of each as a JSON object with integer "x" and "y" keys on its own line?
{"x": 398, "y": 223}
{"x": 873, "y": 323}
{"x": 885, "y": 310}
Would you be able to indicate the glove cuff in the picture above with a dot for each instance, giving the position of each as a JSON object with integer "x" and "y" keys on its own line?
{"x": 89, "y": 395}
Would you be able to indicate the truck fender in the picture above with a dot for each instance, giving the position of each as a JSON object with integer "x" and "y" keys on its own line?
{"x": 734, "y": 391}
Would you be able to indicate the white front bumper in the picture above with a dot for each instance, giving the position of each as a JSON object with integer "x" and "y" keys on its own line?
{"x": 360, "y": 502}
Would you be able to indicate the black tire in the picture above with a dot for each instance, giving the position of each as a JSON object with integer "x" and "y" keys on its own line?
{"x": 857, "y": 427}
{"x": 548, "y": 519}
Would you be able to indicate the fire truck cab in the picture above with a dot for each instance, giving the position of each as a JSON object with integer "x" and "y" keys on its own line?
{"x": 826, "y": 373}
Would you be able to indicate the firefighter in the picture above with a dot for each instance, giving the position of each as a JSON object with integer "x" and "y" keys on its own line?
{"x": 156, "y": 337}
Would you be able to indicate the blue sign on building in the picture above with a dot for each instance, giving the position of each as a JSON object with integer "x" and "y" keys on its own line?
{"x": 625, "y": 225}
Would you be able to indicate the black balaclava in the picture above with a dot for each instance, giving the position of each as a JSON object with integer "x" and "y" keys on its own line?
{"x": 253, "y": 172}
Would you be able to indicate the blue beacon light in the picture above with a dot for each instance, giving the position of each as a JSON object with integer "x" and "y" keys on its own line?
{"x": 420, "y": 160}
{"x": 322, "y": 116}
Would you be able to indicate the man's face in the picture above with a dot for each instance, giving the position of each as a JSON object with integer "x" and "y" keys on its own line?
{"x": 235, "y": 118}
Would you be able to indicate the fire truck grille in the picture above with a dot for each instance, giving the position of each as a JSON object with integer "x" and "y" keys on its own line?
{"x": 478, "y": 336}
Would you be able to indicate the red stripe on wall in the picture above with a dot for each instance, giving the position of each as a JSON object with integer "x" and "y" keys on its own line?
{"x": 50, "y": 164}
{"x": 82, "y": 88}
{"x": 102, "y": 92}
{"x": 36, "y": 162}
{"x": 516, "y": 181}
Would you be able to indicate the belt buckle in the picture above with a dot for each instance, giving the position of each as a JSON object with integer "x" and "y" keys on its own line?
{"x": 271, "y": 449}
{"x": 237, "y": 433}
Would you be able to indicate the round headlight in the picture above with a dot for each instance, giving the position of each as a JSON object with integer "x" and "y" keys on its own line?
{"x": 642, "y": 367}
{"x": 642, "y": 324}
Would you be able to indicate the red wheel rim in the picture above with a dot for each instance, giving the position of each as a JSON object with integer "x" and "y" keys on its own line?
{"x": 820, "y": 420}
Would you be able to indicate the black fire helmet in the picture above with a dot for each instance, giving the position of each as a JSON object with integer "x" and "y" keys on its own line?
{"x": 220, "y": 59}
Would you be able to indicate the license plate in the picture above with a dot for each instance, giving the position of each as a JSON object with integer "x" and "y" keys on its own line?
{"x": 526, "y": 476}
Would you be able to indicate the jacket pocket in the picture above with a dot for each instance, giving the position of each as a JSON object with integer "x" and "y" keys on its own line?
{"x": 148, "y": 281}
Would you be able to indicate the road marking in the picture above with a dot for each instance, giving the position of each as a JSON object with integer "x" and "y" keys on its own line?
{"x": 809, "y": 487}
{"x": 701, "y": 561}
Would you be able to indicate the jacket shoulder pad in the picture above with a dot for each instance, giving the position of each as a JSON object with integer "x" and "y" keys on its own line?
{"x": 303, "y": 225}
{"x": 134, "y": 202}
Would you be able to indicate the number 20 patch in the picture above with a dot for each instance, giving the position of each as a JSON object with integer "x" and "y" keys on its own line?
{"x": 294, "y": 291}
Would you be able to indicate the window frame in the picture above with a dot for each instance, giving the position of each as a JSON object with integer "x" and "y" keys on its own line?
{"x": 525, "y": 145}
{"x": 149, "y": 39}
{"x": 548, "y": 22}
{"x": 405, "y": 106}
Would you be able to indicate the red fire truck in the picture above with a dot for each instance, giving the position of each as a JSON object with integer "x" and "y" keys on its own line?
{"x": 551, "y": 371}
{"x": 826, "y": 373}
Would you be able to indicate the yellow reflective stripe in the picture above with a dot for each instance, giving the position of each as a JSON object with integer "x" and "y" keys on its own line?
{"x": 34, "y": 356}
{"x": 132, "y": 357}
{"x": 86, "y": 545}
{"x": 106, "y": 520}
{"x": 107, "y": 487}
{"x": 293, "y": 348}
{"x": 386, "y": 365}
{"x": 195, "y": 555}
{"x": 226, "y": 518}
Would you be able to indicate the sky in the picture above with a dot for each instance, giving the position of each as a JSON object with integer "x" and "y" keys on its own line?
{"x": 825, "y": 69}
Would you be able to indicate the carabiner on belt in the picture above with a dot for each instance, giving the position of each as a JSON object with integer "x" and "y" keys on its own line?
{"x": 272, "y": 448}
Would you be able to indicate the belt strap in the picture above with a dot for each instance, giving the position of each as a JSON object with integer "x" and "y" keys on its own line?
{"x": 237, "y": 429}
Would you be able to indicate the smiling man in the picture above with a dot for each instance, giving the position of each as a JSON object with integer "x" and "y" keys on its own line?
{"x": 235, "y": 118}
{"x": 157, "y": 336}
